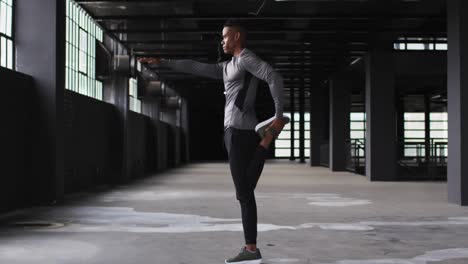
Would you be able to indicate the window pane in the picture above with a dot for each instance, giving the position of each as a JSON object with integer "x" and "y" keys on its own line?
{"x": 99, "y": 90}
{"x": 282, "y": 152}
{"x": 439, "y": 134}
{"x": 357, "y": 134}
{"x": 10, "y": 54}
{"x": 439, "y": 116}
{"x": 410, "y": 152}
{"x": 414, "y": 125}
{"x": 89, "y": 62}
{"x": 67, "y": 55}
{"x": 441, "y": 46}
{"x": 414, "y": 116}
{"x": 3, "y": 52}
{"x": 67, "y": 79}
{"x": 83, "y": 62}
{"x": 414, "y": 134}
{"x": 83, "y": 40}
{"x": 135, "y": 103}
{"x": 3, "y": 18}
{"x": 283, "y": 143}
{"x": 415, "y": 46}
{"x": 357, "y": 125}
{"x": 8, "y": 21}
{"x": 439, "y": 125}
{"x": 357, "y": 116}
{"x": 284, "y": 135}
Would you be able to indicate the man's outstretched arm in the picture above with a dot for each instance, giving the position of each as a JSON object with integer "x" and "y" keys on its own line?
{"x": 214, "y": 71}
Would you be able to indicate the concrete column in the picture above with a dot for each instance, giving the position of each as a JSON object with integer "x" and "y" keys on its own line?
{"x": 380, "y": 112}
{"x": 400, "y": 125}
{"x": 317, "y": 122}
{"x": 292, "y": 106}
{"x": 457, "y": 88}
{"x": 301, "y": 122}
{"x": 40, "y": 49}
{"x": 116, "y": 93}
{"x": 340, "y": 106}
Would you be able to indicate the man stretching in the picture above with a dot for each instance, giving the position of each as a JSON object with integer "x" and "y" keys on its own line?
{"x": 246, "y": 150}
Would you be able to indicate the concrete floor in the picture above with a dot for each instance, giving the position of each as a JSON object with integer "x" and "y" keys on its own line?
{"x": 190, "y": 216}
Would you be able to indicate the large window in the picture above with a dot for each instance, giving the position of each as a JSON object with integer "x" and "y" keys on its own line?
{"x": 134, "y": 103}
{"x": 81, "y": 35}
{"x": 283, "y": 142}
{"x": 412, "y": 43}
{"x": 357, "y": 133}
{"x": 7, "y": 58}
{"x": 415, "y": 134}
{"x": 439, "y": 133}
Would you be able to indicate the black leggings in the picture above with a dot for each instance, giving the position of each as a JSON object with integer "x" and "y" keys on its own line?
{"x": 246, "y": 160}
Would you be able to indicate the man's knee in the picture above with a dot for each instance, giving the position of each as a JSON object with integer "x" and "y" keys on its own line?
{"x": 246, "y": 197}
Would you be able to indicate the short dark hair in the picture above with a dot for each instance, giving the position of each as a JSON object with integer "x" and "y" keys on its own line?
{"x": 235, "y": 22}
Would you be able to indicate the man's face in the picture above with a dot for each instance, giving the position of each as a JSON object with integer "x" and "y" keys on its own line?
{"x": 230, "y": 40}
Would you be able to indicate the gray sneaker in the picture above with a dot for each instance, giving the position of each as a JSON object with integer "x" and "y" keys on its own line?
{"x": 262, "y": 127}
{"x": 246, "y": 257}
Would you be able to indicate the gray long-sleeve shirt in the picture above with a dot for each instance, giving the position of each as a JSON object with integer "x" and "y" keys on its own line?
{"x": 241, "y": 77}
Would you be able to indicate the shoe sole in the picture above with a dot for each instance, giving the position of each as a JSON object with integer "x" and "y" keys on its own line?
{"x": 257, "y": 261}
{"x": 260, "y": 128}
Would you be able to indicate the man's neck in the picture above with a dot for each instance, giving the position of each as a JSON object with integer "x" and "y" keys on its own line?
{"x": 238, "y": 51}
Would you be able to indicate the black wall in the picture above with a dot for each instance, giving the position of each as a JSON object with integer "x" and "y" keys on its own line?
{"x": 139, "y": 135}
{"x": 93, "y": 145}
{"x": 18, "y": 128}
{"x": 206, "y": 123}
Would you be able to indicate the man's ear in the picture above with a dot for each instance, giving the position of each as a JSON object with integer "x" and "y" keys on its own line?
{"x": 237, "y": 36}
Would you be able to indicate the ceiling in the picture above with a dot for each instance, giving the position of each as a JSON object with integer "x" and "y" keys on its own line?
{"x": 305, "y": 40}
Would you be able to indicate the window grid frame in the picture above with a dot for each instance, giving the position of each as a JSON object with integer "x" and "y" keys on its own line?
{"x": 134, "y": 104}
{"x": 434, "y": 43}
{"x": 9, "y": 40}
{"x": 443, "y": 151}
{"x": 282, "y": 138}
{"x": 415, "y": 143}
{"x": 358, "y": 119}
{"x": 77, "y": 20}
